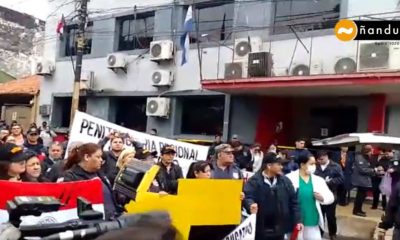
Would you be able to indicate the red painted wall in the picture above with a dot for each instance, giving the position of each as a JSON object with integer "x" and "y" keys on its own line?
{"x": 377, "y": 115}
{"x": 273, "y": 111}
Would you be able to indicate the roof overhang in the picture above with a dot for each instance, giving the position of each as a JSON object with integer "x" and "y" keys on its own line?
{"x": 343, "y": 84}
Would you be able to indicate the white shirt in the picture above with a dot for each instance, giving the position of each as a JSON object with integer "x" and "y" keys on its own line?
{"x": 323, "y": 167}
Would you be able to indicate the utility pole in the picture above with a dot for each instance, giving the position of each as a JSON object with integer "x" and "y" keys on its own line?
{"x": 81, "y": 44}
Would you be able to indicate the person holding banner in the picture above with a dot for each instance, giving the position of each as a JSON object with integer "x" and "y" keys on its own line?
{"x": 111, "y": 157}
{"x": 271, "y": 196}
{"x": 85, "y": 163}
{"x": 312, "y": 192}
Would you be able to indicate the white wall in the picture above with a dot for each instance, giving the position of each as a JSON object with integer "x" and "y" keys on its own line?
{"x": 366, "y": 7}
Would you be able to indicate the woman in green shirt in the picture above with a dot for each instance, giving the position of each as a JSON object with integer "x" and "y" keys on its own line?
{"x": 312, "y": 191}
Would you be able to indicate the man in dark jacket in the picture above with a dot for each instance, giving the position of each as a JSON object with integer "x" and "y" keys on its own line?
{"x": 333, "y": 175}
{"x": 211, "y": 150}
{"x": 361, "y": 178}
{"x": 32, "y": 142}
{"x": 382, "y": 160}
{"x": 169, "y": 172}
{"x": 55, "y": 155}
{"x": 274, "y": 199}
{"x": 300, "y": 149}
{"x": 345, "y": 159}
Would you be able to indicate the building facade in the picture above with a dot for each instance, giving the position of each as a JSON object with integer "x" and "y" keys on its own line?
{"x": 21, "y": 42}
{"x": 317, "y": 86}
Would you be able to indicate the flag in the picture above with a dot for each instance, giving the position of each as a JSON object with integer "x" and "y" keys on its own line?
{"x": 60, "y": 27}
{"x": 67, "y": 193}
{"x": 188, "y": 27}
{"x": 223, "y": 28}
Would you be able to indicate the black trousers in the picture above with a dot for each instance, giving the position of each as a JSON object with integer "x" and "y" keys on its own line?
{"x": 329, "y": 212}
{"x": 376, "y": 194}
{"x": 343, "y": 195}
{"x": 360, "y": 198}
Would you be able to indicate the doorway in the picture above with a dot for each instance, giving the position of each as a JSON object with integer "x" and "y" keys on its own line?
{"x": 332, "y": 121}
{"x": 131, "y": 113}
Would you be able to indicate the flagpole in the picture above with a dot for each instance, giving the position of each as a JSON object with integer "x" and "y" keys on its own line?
{"x": 198, "y": 42}
{"x": 79, "y": 58}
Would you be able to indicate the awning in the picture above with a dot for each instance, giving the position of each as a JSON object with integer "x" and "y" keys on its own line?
{"x": 352, "y": 139}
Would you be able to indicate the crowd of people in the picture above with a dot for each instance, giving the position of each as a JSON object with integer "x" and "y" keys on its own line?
{"x": 291, "y": 191}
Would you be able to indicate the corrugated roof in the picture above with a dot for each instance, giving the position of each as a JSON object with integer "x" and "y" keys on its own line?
{"x": 25, "y": 86}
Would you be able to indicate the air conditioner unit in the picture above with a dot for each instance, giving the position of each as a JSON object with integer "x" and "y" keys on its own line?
{"x": 244, "y": 46}
{"x": 378, "y": 56}
{"x": 236, "y": 70}
{"x": 44, "y": 67}
{"x": 161, "y": 50}
{"x": 345, "y": 65}
{"x": 260, "y": 64}
{"x": 87, "y": 80}
{"x": 161, "y": 78}
{"x": 44, "y": 110}
{"x": 117, "y": 61}
{"x": 300, "y": 70}
{"x": 158, "y": 107}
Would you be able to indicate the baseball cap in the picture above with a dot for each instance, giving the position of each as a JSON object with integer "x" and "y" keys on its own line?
{"x": 10, "y": 152}
{"x": 168, "y": 149}
{"x": 271, "y": 158}
{"x": 33, "y": 130}
{"x": 224, "y": 148}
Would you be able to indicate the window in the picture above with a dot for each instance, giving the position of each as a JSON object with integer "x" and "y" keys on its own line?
{"x": 135, "y": 118}
{"x": 136, "y": 31}
{"x": 71, "y": 43}
{"x": 61, "y": 110}
{"x": 202, "y": 115}
{"x": 215, "y": 20}
{"x": 305, "y": 15}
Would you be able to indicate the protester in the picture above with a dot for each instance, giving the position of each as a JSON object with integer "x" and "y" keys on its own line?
{"x": 312, "y": 193}
{"x": 46, "y": 134}
{"x": 288, "y": 164}
{"x": 361, "y": 178}
{"x": 12, "y": 162}
{"x": 382, "y": 160}
{"x": 256, "y": 157}
{"x": 224, "y": 166}
{"x": 333, "y": 175}
{"x": 169, "y": 173}
{"x": 272, "y": 197}
{"x": 85, "y": 163}
{"x": 272, "y": 149}
{"x": 111, "y": 157}
{"x": 56, "y": 171}
{"x": 55, "y": 155}
{"x": 199, "y": 170}
{"x": 299, "y": 150}
{"x": 242, "y": 154}
{"x": 32, "y": 142}
{"x": 217, "y": 141}
{"x": 345, "y": 159}
{"x": 33, "y": 172}
{"x": 16, "y": 132}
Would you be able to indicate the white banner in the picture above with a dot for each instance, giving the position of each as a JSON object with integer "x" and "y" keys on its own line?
{"x": 245, "y": 231}
{"x": 87, "y": 128}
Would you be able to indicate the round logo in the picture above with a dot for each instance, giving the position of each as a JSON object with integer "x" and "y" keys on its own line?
{"x": 346, "y": 30}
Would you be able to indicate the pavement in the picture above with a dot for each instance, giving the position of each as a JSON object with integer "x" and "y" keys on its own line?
{"x": 352, "y": 227}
